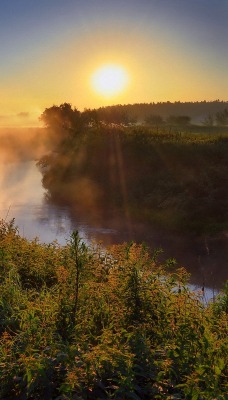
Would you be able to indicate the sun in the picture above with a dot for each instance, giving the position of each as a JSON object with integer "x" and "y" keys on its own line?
{"x": 109, "y": 80}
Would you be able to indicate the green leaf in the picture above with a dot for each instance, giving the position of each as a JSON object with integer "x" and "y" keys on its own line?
{"x": 217, "y": 370}
{"x": 195, "y": 395}
{"x": 221, "y": 363}
{"x": 28, "y": 375}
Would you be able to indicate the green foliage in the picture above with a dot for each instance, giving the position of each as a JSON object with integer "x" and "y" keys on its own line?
{"x": 78, "y": 322}
{"x": 167, "y": 177}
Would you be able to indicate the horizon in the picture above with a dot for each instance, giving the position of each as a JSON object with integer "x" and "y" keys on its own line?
{"x": 29, "y": 122}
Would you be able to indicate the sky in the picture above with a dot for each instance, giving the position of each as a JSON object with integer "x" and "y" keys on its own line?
{"x": 171, "y": 50}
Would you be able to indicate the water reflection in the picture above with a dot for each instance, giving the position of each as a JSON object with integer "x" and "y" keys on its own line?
{"x": 208, "y": 268}
{"x": 23, "y": 198}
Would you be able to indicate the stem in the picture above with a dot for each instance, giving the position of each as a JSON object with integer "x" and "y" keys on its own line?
{"x": 75, "y": 242}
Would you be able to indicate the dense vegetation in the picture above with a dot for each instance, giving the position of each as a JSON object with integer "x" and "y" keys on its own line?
{"x": 78, "y": 322}
{"x": 169, "y": 177}
{"x": 81, "y": 323}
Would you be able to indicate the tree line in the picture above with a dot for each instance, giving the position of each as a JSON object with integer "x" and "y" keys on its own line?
{"x": 162, "y": 111}
{"x": 66, "y": 117}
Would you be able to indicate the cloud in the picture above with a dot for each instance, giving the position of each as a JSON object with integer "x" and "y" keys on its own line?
{"x": 22, "y": 118}
{"x": 23, "y": 114}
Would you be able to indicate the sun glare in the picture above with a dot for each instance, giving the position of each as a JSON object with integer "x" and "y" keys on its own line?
{"x": 109, "y": 80}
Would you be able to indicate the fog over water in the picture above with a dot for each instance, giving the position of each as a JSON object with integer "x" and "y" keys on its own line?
{"x": 22, "y": 197}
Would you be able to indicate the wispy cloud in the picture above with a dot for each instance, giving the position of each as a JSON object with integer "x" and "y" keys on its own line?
{"x": 23, "y": 118}
{"x": 23, "y": 114}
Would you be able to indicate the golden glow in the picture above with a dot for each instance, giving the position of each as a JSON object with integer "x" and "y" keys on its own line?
{"x": 109, "y": 80}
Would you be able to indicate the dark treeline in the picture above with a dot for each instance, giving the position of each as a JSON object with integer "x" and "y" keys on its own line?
{"x": 155, "y": 114}
{"x": 203, "y": 112}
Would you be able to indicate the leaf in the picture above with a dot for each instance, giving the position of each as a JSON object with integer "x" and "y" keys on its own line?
{"x": 221, "y": 363}
{"x": 195, "y": 395}
{"x": 28, "y": 375}
{"x": 217, "y": 370}
{"x": 160, "y": 376}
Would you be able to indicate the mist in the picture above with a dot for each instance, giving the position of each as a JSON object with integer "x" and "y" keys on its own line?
{"x": 23, "y": 144}
{"x": 19, "y": 181}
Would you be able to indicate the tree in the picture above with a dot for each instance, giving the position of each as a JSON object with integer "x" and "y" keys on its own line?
{"x": 222, "y": 117}
{"x": 90, "y": 117}
{"x": 209, "y": 120}
{"x": 61, "y": 117}
{"x": 114, "y": 115}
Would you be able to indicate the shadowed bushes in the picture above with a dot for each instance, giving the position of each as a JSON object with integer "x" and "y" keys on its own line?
{"x": 172, "y": 179}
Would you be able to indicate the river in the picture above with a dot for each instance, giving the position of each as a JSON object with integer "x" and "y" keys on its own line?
{"x": 23, "y": 198}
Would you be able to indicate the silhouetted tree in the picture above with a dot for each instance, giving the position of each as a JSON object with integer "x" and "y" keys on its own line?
{"x": 114, "y": 115}
{"x": 61, "y": 117}
{"x": 90, "y": 117}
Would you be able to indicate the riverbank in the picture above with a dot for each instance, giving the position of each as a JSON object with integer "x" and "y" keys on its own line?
{"x": 173, "y": 179}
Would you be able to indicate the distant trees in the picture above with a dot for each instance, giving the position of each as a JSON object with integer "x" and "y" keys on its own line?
{"x": 222, "y": 117}
{"x": 195, "y": 110}
{"x": 209, "y": 120}
{"x": 89, "y": 117}
{"x": 178, "y": 120}
{"x": 157, "y": 120}
{"x": 114, "y": 115}
{"x": 154, "y": 119}
{"x": 65, "y": 118}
